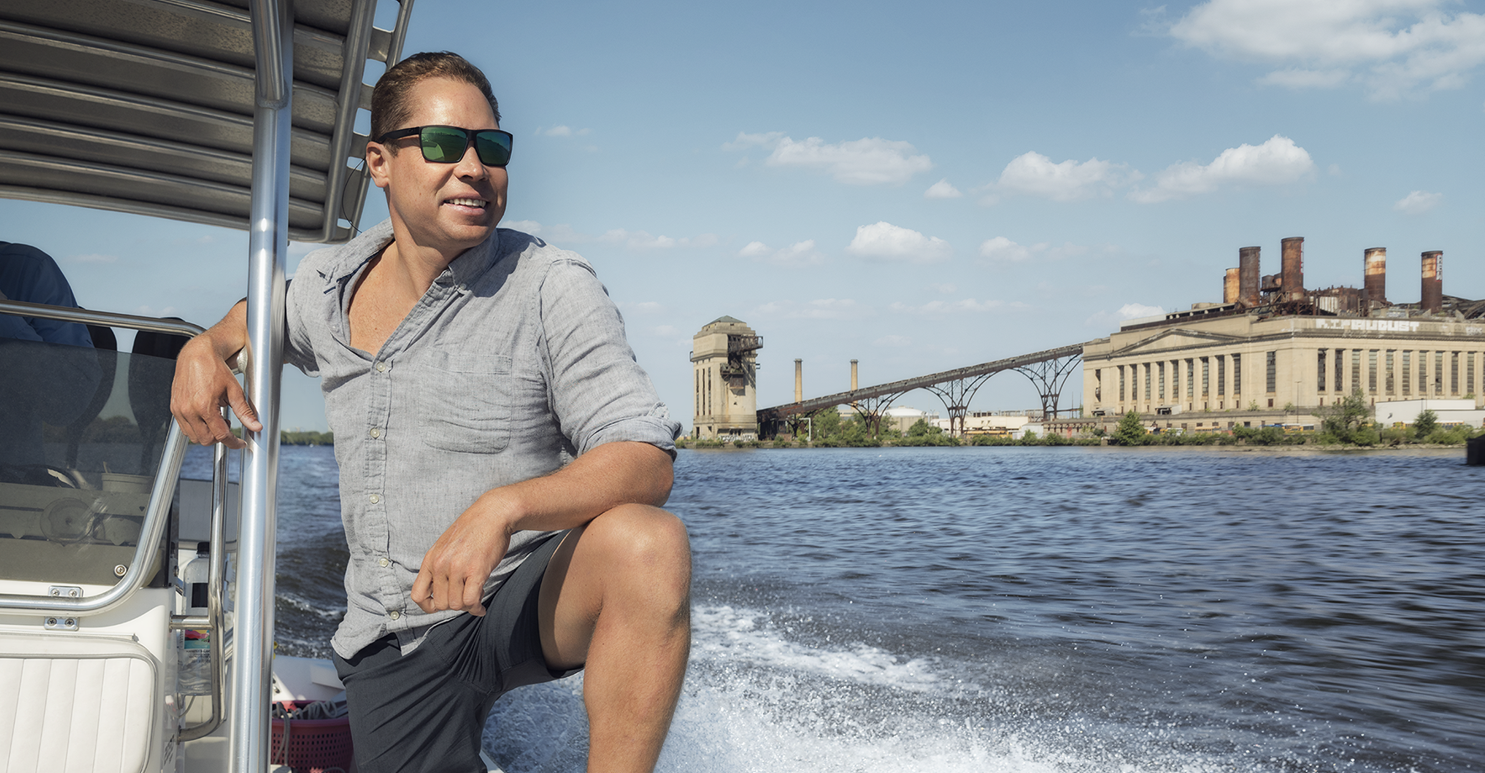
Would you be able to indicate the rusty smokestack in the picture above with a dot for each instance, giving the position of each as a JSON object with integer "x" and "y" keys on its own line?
{"x": 1248, "y": 280}
{"x": 798, "y": 380}
{"x": 1433, "y": 281}
{"x": 1294, "y": 268}
{"x": 1376, "y": 276}
{"x": 853, "y": 375}
{"x": 1230, "y": 286}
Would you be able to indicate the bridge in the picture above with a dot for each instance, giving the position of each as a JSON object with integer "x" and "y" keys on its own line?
{"x": 1048, "y": 370}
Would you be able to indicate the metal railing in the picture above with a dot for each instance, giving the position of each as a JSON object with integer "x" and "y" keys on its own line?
{"x": 153, "y": 528}
{"x": 161, "y": 492}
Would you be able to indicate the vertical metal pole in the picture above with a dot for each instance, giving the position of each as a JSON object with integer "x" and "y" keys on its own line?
{"x": 268, "y": 241}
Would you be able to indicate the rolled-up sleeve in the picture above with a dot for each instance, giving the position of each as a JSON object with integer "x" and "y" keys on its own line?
{"x": 299, "y": 317}
{"x": 597, "y": 389}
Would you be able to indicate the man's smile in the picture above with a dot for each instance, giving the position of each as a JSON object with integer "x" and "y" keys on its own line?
{"x": 467, "y": 202}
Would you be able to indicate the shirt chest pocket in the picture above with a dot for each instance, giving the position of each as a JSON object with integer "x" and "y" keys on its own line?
{"x": 463, "y": 402}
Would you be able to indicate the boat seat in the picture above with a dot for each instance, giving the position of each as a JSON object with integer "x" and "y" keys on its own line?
{"x": 78, "y": 704}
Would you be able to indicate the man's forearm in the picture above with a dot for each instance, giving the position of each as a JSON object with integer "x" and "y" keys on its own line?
{"x": 204, "y": 384}
{"x": 610, "y": 475}
{"x": 229, "y": 336}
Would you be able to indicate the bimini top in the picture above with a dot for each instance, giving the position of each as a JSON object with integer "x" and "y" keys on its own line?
{"x": 146, "y": 106}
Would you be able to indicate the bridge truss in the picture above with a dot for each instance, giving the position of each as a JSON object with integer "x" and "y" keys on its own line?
{"x": 1048, "y": 370}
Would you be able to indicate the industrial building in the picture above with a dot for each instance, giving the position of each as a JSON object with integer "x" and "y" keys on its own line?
{"x": 1275, "y": 353}
{"x": 724, "y": 361}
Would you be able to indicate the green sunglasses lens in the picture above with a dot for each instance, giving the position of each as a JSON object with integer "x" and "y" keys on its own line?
{"x": 443, "y": 144}
{"x": 446, "y": 145}
{"x": 493, "y": 147}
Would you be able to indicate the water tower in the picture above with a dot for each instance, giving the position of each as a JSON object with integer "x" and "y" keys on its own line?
{"x": 724, "y": 361}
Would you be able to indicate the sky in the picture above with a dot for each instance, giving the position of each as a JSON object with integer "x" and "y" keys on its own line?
{"x": 921, "y": 190}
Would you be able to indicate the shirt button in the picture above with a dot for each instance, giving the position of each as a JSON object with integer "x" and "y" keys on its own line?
{"x": 381, "y": 366}
{"x": 376, "y": 432}
{"x": 382, "y": 562}
{"x": 375, "y": 498}
{"x": 394, "y": 614}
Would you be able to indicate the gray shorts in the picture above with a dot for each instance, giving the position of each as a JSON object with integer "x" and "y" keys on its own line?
{"x": 426, "y": 711}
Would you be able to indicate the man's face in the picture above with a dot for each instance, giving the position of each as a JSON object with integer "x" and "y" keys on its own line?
{"x": 445, "y": 207}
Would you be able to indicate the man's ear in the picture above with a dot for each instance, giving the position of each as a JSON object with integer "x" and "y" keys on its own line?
{"x": 378, "y": 161}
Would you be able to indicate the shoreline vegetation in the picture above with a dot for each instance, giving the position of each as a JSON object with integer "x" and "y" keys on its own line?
{"x": 1345, "y": 426}
{"x": 122, "y": 429}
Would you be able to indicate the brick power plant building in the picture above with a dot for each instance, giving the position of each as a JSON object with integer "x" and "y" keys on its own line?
{"x": 1271, "y": 345}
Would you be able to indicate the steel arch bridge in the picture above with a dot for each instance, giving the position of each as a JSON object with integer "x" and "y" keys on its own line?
{"x": 1048, "y": 370}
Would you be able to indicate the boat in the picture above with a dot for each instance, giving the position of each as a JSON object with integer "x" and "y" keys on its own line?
{"x": 136, "y": 608}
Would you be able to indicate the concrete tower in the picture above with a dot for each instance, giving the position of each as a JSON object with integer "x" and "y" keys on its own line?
{"x": 724, "y": 361}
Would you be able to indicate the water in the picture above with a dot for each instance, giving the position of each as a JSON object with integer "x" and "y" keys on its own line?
{"x": 1035, "y": 610}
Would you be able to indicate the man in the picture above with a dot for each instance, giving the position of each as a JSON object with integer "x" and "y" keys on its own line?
{"x": 483, "y": 400}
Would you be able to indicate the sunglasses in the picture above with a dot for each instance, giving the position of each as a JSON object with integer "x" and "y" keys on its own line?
{"x": 446, "y": 144}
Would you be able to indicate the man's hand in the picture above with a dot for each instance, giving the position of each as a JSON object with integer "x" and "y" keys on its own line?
{"x": 204, "y": 385}
{"x": 454, "y": 570}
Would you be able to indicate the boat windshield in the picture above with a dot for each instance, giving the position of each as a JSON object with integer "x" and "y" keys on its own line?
{"x": 82, "y": 431}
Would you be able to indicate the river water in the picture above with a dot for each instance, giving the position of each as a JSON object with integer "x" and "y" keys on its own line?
{"x": 1034, "y": 610}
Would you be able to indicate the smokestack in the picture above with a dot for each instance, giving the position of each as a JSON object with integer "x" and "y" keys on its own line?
{"x": 1230, "y": 286}
{"x": 1248, "y": 277}
{"x": 1433, "y": 281}
{"x": 798, "y": 381}
{"x": 1376, "y": 276}
{"x": 1294, "y": 268}
{"x": 853, "y": 375}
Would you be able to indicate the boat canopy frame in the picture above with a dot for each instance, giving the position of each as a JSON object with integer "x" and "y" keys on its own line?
{"x": 146, "y": 106}
{"x": 237, "y": 113}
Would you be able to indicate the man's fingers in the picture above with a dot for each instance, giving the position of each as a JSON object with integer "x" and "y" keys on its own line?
{"x": 243, "y": 407}
{"x": 472, "y": 592}
{"x": 420, "y": 591}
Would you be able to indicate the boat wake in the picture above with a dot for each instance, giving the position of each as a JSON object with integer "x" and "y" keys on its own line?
{"x": 760, "y": 697}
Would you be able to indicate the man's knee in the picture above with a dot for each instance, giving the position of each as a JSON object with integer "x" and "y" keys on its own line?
{"x": 644, "y": 543}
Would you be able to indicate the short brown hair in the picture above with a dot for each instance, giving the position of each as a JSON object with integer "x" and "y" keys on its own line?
{"x": 389, "y": 101}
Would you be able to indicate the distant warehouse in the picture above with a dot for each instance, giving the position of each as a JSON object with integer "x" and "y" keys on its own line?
{"x": 1275, "y": 353}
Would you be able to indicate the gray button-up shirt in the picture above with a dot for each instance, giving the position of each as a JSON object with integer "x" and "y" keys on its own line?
{"x": 512, "y": 363}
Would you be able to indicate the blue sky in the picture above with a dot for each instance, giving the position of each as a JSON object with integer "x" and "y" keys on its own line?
{"x": 921, "y": 190}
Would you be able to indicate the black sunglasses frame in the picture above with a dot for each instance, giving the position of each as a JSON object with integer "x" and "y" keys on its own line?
{"x": 470, "y": 135}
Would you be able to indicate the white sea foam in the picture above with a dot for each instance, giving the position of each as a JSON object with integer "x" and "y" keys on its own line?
{"x": 728, "y": 636}
{"x": 759, "y": 701}
{"x": 333, "y": 614}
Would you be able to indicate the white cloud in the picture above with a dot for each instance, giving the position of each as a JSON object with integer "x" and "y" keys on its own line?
{"x": 939, "y": 308}
{"x": 562, "y": 131}
{"x": 643, "y": 307}
{"x": 1128, "y": 311}
{"x": 525, "y": 226}
{"x": 884, "y": 241}
{"x": 894, "y": 341}
{"x": 867, "y": 161}
{"x": 93, "y": 257}
{"x": 1138, "y": 311}
{"x": 942, "y": 190}
{"x": 1033, "y": 174}
{"x": 1003, "y": 249}
{"x": 642, "y": 240}
{"x": 1393, "y": 47}
{"x": 558, "y": 234}
{"x": 745, "y": 141}
{"x": 797, "y": 254}
{"x": 1306, "y": 79}
{"x": 1418, "y": 202}
{"x": 824, "y": 308}
{"x": 944, "y": 288}
{"x": 1276, "y": 162}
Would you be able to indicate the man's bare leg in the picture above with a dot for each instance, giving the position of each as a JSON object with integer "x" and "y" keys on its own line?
{"x": 616, "y": 600}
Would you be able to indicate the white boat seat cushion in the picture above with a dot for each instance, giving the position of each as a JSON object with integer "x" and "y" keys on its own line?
{"x": 76, "y": 704}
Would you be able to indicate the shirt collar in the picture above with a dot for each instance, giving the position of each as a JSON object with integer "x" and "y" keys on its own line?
{"x": 354, "y": 254}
